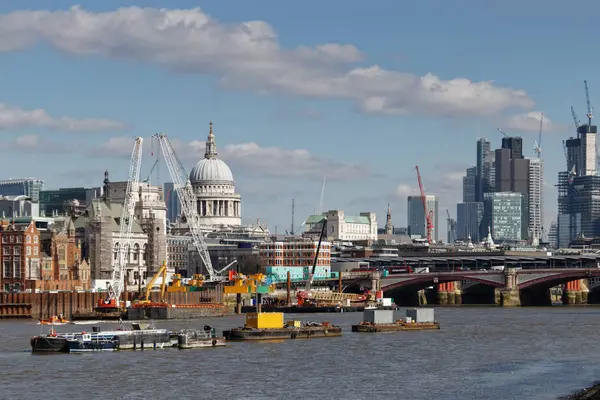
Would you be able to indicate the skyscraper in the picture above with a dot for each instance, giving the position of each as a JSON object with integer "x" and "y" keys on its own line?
{"x": 470, "y": 185}
{"x": 536, "y": 199}
{"x": 515, "y": 145}
{"x": 485, "y": 165}
{"x": 172, "y": 201}
{"x": 416, "y": 216}
{"x": 468, "y": 220}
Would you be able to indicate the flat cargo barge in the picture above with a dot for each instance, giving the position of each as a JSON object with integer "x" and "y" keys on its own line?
{"x": 395, "y": 327}
{"x": 270, "y": 326}
{"x": 305, "y": 332}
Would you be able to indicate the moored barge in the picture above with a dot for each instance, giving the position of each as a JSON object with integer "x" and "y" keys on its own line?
{"x": 195, "y": 339}
{"x": 386, "y": 321}
{"x": 270, "y": 326}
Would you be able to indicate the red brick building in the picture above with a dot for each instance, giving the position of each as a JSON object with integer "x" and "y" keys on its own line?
{"x": 20, "y": 252}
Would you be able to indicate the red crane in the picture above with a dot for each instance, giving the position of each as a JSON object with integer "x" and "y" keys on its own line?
{"x": 428, "y": 214}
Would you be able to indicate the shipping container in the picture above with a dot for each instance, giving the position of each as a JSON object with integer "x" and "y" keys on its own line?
{"x": 379, "y": 316}
{"x": 421, "y": 314}
{"x": 264, "y": 320}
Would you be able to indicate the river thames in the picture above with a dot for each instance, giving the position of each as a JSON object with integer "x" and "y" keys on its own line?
{"x": 479, "y": 353}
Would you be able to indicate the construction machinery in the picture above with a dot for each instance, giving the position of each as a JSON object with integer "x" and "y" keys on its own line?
{"x": 161, "y": 273}
{"x": 537, "y": 145}
{"x": 428, "y": 213}
{"x": 117, "y": 283}
{"x": 187, "y": 199}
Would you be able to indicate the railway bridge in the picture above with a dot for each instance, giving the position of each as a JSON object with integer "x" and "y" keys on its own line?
{"x": 511, "y": 287}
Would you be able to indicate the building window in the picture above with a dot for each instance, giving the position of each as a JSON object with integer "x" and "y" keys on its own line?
{"x": 36, "y": 239}
{"x": 17, "y": 269}
{"x": 6, "y": 251}
{"x": 28, "y": 250}
{"x": 7, "y": 269}
{"x": 28, "y": 239}
{"x": 12, "y": 239}
{"x": 3, "y": 239}
{"x": 136, "y": 252}
{"x": 17, "y": 251}
{"x": 35, "y": 251}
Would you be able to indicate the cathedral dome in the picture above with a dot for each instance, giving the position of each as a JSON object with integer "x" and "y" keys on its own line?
{"x": 210, "y": 169}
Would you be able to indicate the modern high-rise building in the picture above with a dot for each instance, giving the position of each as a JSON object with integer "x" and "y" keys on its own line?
{"x": 553, "y": 235}
{"x": 502, "y": 216}
{"x": 485, "y": 166}
{"x": 470, "y": 185}
{"x": 29, "y": 187}
{"x": 172, "y": 201}
{"x": 57, "y": 201}
{"x": 536, "y": 200}
{"x": 468, "y": 220}
{"x": 512, "y": 175}
{"x": 416, "y": 216}
{"x": 587, "y": 135}
{"x": 515, "y": 145}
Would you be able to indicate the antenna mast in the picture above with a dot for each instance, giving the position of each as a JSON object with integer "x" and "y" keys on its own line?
{"x": 293, "y": 206}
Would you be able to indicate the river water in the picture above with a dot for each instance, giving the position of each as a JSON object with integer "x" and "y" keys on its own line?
{"x": 480, "y": 353}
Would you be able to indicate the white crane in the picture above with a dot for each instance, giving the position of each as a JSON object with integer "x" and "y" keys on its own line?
{"x": 187, "y": 199}
{"x": 117, "y": 283}
{"x": 537, "y": 145}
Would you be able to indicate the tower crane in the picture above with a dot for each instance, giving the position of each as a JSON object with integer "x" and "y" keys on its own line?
{"x": 575, "y": 119}
{"x": 590, "y": 110}
{"x": 428, "y": 214}
{"x": 502, "y": 132}
{"x": 117, "y": 283}
{"x": 537, "y": 146}
{"x": 187, "y": 199}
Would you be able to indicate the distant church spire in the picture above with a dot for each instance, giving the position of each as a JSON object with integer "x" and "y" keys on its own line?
{"x": 211, "y": 145}
{"x": 106, "y": 188}
{"x": 389, "y": 229}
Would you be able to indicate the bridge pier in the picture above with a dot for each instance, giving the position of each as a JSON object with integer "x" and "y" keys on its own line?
{"x": 448, "y": 294}
{"x": 575, "y": 292}
{"x": 509, "y": 294}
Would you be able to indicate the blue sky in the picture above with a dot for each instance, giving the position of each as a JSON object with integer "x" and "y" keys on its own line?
{"x": 343, "y": 88}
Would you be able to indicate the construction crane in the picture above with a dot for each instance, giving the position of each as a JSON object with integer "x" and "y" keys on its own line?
{"x": 575, "y": 119}
{"x": 428, "y": 214}
{"x": 537, "y": 146}
{"x": 502, "y": 132}
{"x": 117, "y": 283}
{"x": 590, "y": 111}
{"x": 184, "y": 190}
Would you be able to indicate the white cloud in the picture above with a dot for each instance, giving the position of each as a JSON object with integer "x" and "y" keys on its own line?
{"x": 248, "y": 56}
{"x": 530, "y": 122}
{"x": 33, "y": 144}
{"x": 12, "y": 117}
{"x": 250, "y": 159}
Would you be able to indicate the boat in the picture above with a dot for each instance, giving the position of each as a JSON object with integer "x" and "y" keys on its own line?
{"x": 386, "y": 321}
{"x": 193, "y": 339}
{"x": 84, "y": 342}
{"x": 54, "y": 320}
{"x": 270, "y": 326}
{"x": 49, "y": 343}
{"x": 138, "y": 337}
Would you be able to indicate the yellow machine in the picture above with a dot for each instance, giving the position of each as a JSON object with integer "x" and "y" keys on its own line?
{"x": 162, "y": 272}
{"x": 248, "y": 284}
{"x": 271, "y": 320}
{"x": 176, "y": 285}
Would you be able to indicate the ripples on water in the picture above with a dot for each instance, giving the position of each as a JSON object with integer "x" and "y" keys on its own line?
{"x": 480, "y": 353}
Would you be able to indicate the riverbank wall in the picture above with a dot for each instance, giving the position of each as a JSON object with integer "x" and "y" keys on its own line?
{"x": 46, "y": 304}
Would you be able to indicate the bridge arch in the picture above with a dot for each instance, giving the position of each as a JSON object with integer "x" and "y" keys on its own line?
{"x": 422, "y": 282}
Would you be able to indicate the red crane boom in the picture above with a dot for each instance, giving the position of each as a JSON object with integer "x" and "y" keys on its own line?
{"x": 428, "y": 214}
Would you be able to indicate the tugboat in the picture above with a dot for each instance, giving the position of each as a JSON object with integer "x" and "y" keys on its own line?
{"x": 193, "y": 339}
{"x": 269, "y": 326}
{"x": 50, "y": 343}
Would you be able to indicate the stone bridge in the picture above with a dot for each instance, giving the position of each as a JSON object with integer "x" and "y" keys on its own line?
{"x": 510, "y": 287}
